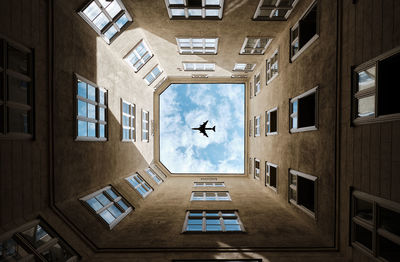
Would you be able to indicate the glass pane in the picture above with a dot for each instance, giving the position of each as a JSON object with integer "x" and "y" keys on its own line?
{"x": 82, "y": 128}
{"x": 92, "y": 11}
{"x": 102, "y": 130}
{"x": 18, "y": 91}
{"x": 102, "y": 113}
{"x": 18, "y": 121}
{"x": 105, "y": 3}
{"x": 123, "y": 205}
{"x": 113, "y": 9}
{"x": 102, "y": 96}
{"x": 82, "y": 108}
{"x": 176, "y": 2}
{"x": 110, "y": 32}
{"x": 212, "y": 2}
{"x": 194, "y": 12}
{"x": 177, "y": 12}
{"x": 17, "y": 60}
{"x": 102, "y": 199}
{"x": 195, "y": 221}
{"x": 82, "y": 89}
{"x": 37, "y": 236}
{"x": 10, "y": 249}
{"x": 156, "y": 71}
{"x": 111, "y": 193}
{"x": 366, "y": 106}
{"x": 122, "y": 21}
{"x": 101, "y": 21}
{"x": 366, "y": 79}
{"x": 228, "y": 214}
{"x": 91, "y": 129}
{"x": 363, "y": 236}
{"x": 232, "y": 228}
{"x": 212, "y": 214}
{"x": 211, "y": 196}
{"x": 114, "y": 211}
{"x": 213, "y": 228}
{"x": 196, "y": 214}
{"x": 107, "y": 216}
{"x": 212, "y": 12}
{"x": 125, "y": 134}
{"x": 194, "y": 228}
{"x": 91, "y": 93}
{"x": 388, "y": 249}
{"x": 389, "y": 220}
{"x": 293, "y": 194}
{"x": 56, "y": 253}
{"x": 91, "y": 111}
{"x": 231, "y": 222}
{"x": 93, "y": 203}
{"x": 363, "y": 209}
{"x": 213, "y": 222}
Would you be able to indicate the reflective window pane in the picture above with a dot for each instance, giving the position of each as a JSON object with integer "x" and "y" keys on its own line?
{"x": 18, "y": 91}
{"x": 92, "y": 11}
{"x": 113, "y": 9}
{"x": 122, "y": 21}
{"x": 366, "y": 106}
{"x": 366, "y": 78}
{"x": 17, "y": 60}
{"x": 101, "y": 21}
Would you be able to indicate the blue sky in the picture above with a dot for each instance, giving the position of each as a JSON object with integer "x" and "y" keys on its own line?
{"x": 183, "y": 106}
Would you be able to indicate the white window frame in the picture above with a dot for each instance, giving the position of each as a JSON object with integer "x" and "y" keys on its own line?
{"x": 112, "y": 21}
{"x": 97, "y": 105}
{"x": 294, "y": 115}
{"x": 268, "y": 121}
{"x": 274, "y": 9}
{"x": 153, "y": 75}
{"x": 221, "y": 217}
{"x": 248, "y": 67}
{"x": 113, "y": 202}
{"x": 257, "y": 126}
{"x": 296, "y": 39}
{"x": 373, "y": 225}
{"x": 199, "y": 66}
{"x": 145, "y": 125}
{"x": 204, "y": 7}
{"x": 132, "y": 121}
{"x": 209, "y": 184}
{"x": 141, "y": 61}
{"x": 268, "y": 166}
{"x": 195, "y": 196}
{"x": 255, "y": 48}
{"x": 154, "y": 175}
{"x": 26, "y": 250}
{"x": 257, "y": 171}
{"x": 192, "y": 50}
{"x": 272, "y": 67}
{"x": 257, "y": 84}
{"x": 294, "y": 187}
{"x": 143, "y": 184}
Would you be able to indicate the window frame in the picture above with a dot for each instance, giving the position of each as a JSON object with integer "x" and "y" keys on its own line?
{"x": 143, "y": 182}
{"x": 250, "y": 67}
{"x": 140, "y": 58}
{"x": 377, "y": 203}
{"x": 111, "y": 203}
{"x": 154, "y": 176}
{"x": 255, "y": 48}
{"x": 220, "y": 216}
{"x": 208, "y": 184}
{"x": 28, "y": 78}
{"x": 191, "y": 49}
{"x": 274, "y": 8}
{"x": 112, "y": 21}
{"x": 145, "y": 125}
{"x": 257, "y": 83}
{"x": 268, "y": 121}
{"x": 185, "y": 6}
{"x": 132, "y": 121}
{"x": 291, "y": 186}
{"x": 97, "y": 104}
{"x": 195, "y": 69}
{"x": 153, "y": 75}
{"x": 257, "y": 126}
{"x": 292, "y": 56}
{"x": 268, "y": 166}
{"x": 257, "y": 171}
{"x": 270, "y": 66}
{"x": 355, "y": 94}
{"x": 292, "y": 115}
{"x": 204, "y": 198}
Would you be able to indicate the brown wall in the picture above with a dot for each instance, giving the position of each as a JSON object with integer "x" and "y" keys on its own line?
{"x": 370, "y": 156}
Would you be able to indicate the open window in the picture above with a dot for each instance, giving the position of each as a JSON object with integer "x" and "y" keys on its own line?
{"x": 256, "y": 168}
{"x": 128, "y": 121}
{"x": 304, "y": 111}
{"x": 212, "y": 221}
{"x": 195, "y": 9}
{"x": 257, "y": 130}
{"x": 272, "y": 67}
{"x": 271, "y": 125}
{"x": 303, "y": 191}
{"x": 271, "y": 175}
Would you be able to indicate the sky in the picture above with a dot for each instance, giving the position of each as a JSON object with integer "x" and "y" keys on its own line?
{"x": 183, "y": 106}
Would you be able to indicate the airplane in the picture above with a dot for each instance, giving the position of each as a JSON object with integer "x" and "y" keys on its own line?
{"x": 202, "y": 128}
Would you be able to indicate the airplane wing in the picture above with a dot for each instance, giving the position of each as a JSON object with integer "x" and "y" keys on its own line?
{"x": 204, "y": 133}
{"x": 204, "y": 124}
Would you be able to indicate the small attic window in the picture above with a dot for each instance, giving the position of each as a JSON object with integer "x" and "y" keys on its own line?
{"x": 109, "y": 18}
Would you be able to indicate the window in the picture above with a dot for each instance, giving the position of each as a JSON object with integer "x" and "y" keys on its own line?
{"x": 195, "y": 9}
{"x": 140, "y": 185}
{"x": 91, "y": 118}
{"x": 255, "y": 45}
{"x": 257, "y": 84}
{"x": 256, "y": 168}
{"x": 250, "y": 128}
{"x": 128, "y": 121}
{"x": 375, "y": 226}
{"x": 209, "y": 184}
{"x": 271, "y": 175}
{"x": 303, "y": 191}
{"x": 238, "y": 76}
{"x": 139, "y": 56}
{"x": 198, "y": 66}
{"x": 206, "y": 46}
{"x": 210, "y": 196}
{"x": 35, "y": 241}
{"x": 304, "y": 32}
{"x": 108, "y": 205}
{"x": 271, "y": 125}
{"x": 304, "y": 111}
{"x": 257, "y": 126}
{"x": 274, "y": 10}
{"x": 153, "y": 75}
{"x": 109, "y": 18}
{"x": 374, "y": 94}
{"x": 154, "y": 176}
{"x": 16, "y": 91}
{"x": 145, "y": 126}
{"x": 242, "y": 67}
{"x": 212, "y": 221}
{"x": 272, "y": 67}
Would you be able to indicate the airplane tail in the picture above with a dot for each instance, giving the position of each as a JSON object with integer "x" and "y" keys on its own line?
{"x": 213, "y": 128}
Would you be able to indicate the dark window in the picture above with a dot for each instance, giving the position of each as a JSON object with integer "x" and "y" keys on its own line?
{"x": 303, "y": 111}
{"x": 305, "y": 193}
{"x": 272, "y": 176}
{"x": 389, "y": 85}
{"x": 363, "y": 236}
{"x": 273, "y": 121}
{"x": 307, "y": 111}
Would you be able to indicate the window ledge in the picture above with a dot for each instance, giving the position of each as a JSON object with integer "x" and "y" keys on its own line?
{"x": 272, "y": 134}
{"x": 371, "y": 120}
{"x": 118, "y": 219}
{"x": 272, "y": 188}
{"x": 90, "y": 139}
{"x": 305, "y": 210}
{"x": 303, "y": 129}
{"x": 310, "y": 42}
{"x": 272, "y": 78}
{"x": 128, "y": 140}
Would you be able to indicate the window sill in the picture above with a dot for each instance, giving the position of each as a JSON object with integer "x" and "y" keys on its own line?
{"x": 122, "y": 216}
{"x": 272, "y": 134}
{"x": 305, "y": 210}
{"x": 272, "y": 78}
{"x": 308, "y": 44}
{"x": 371, "y": 119}
{"x": 128, "y": 140}
{"x": 272, "y": 188}
{"x": 303, "y": 129}
{"x": 90, "y": 139}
